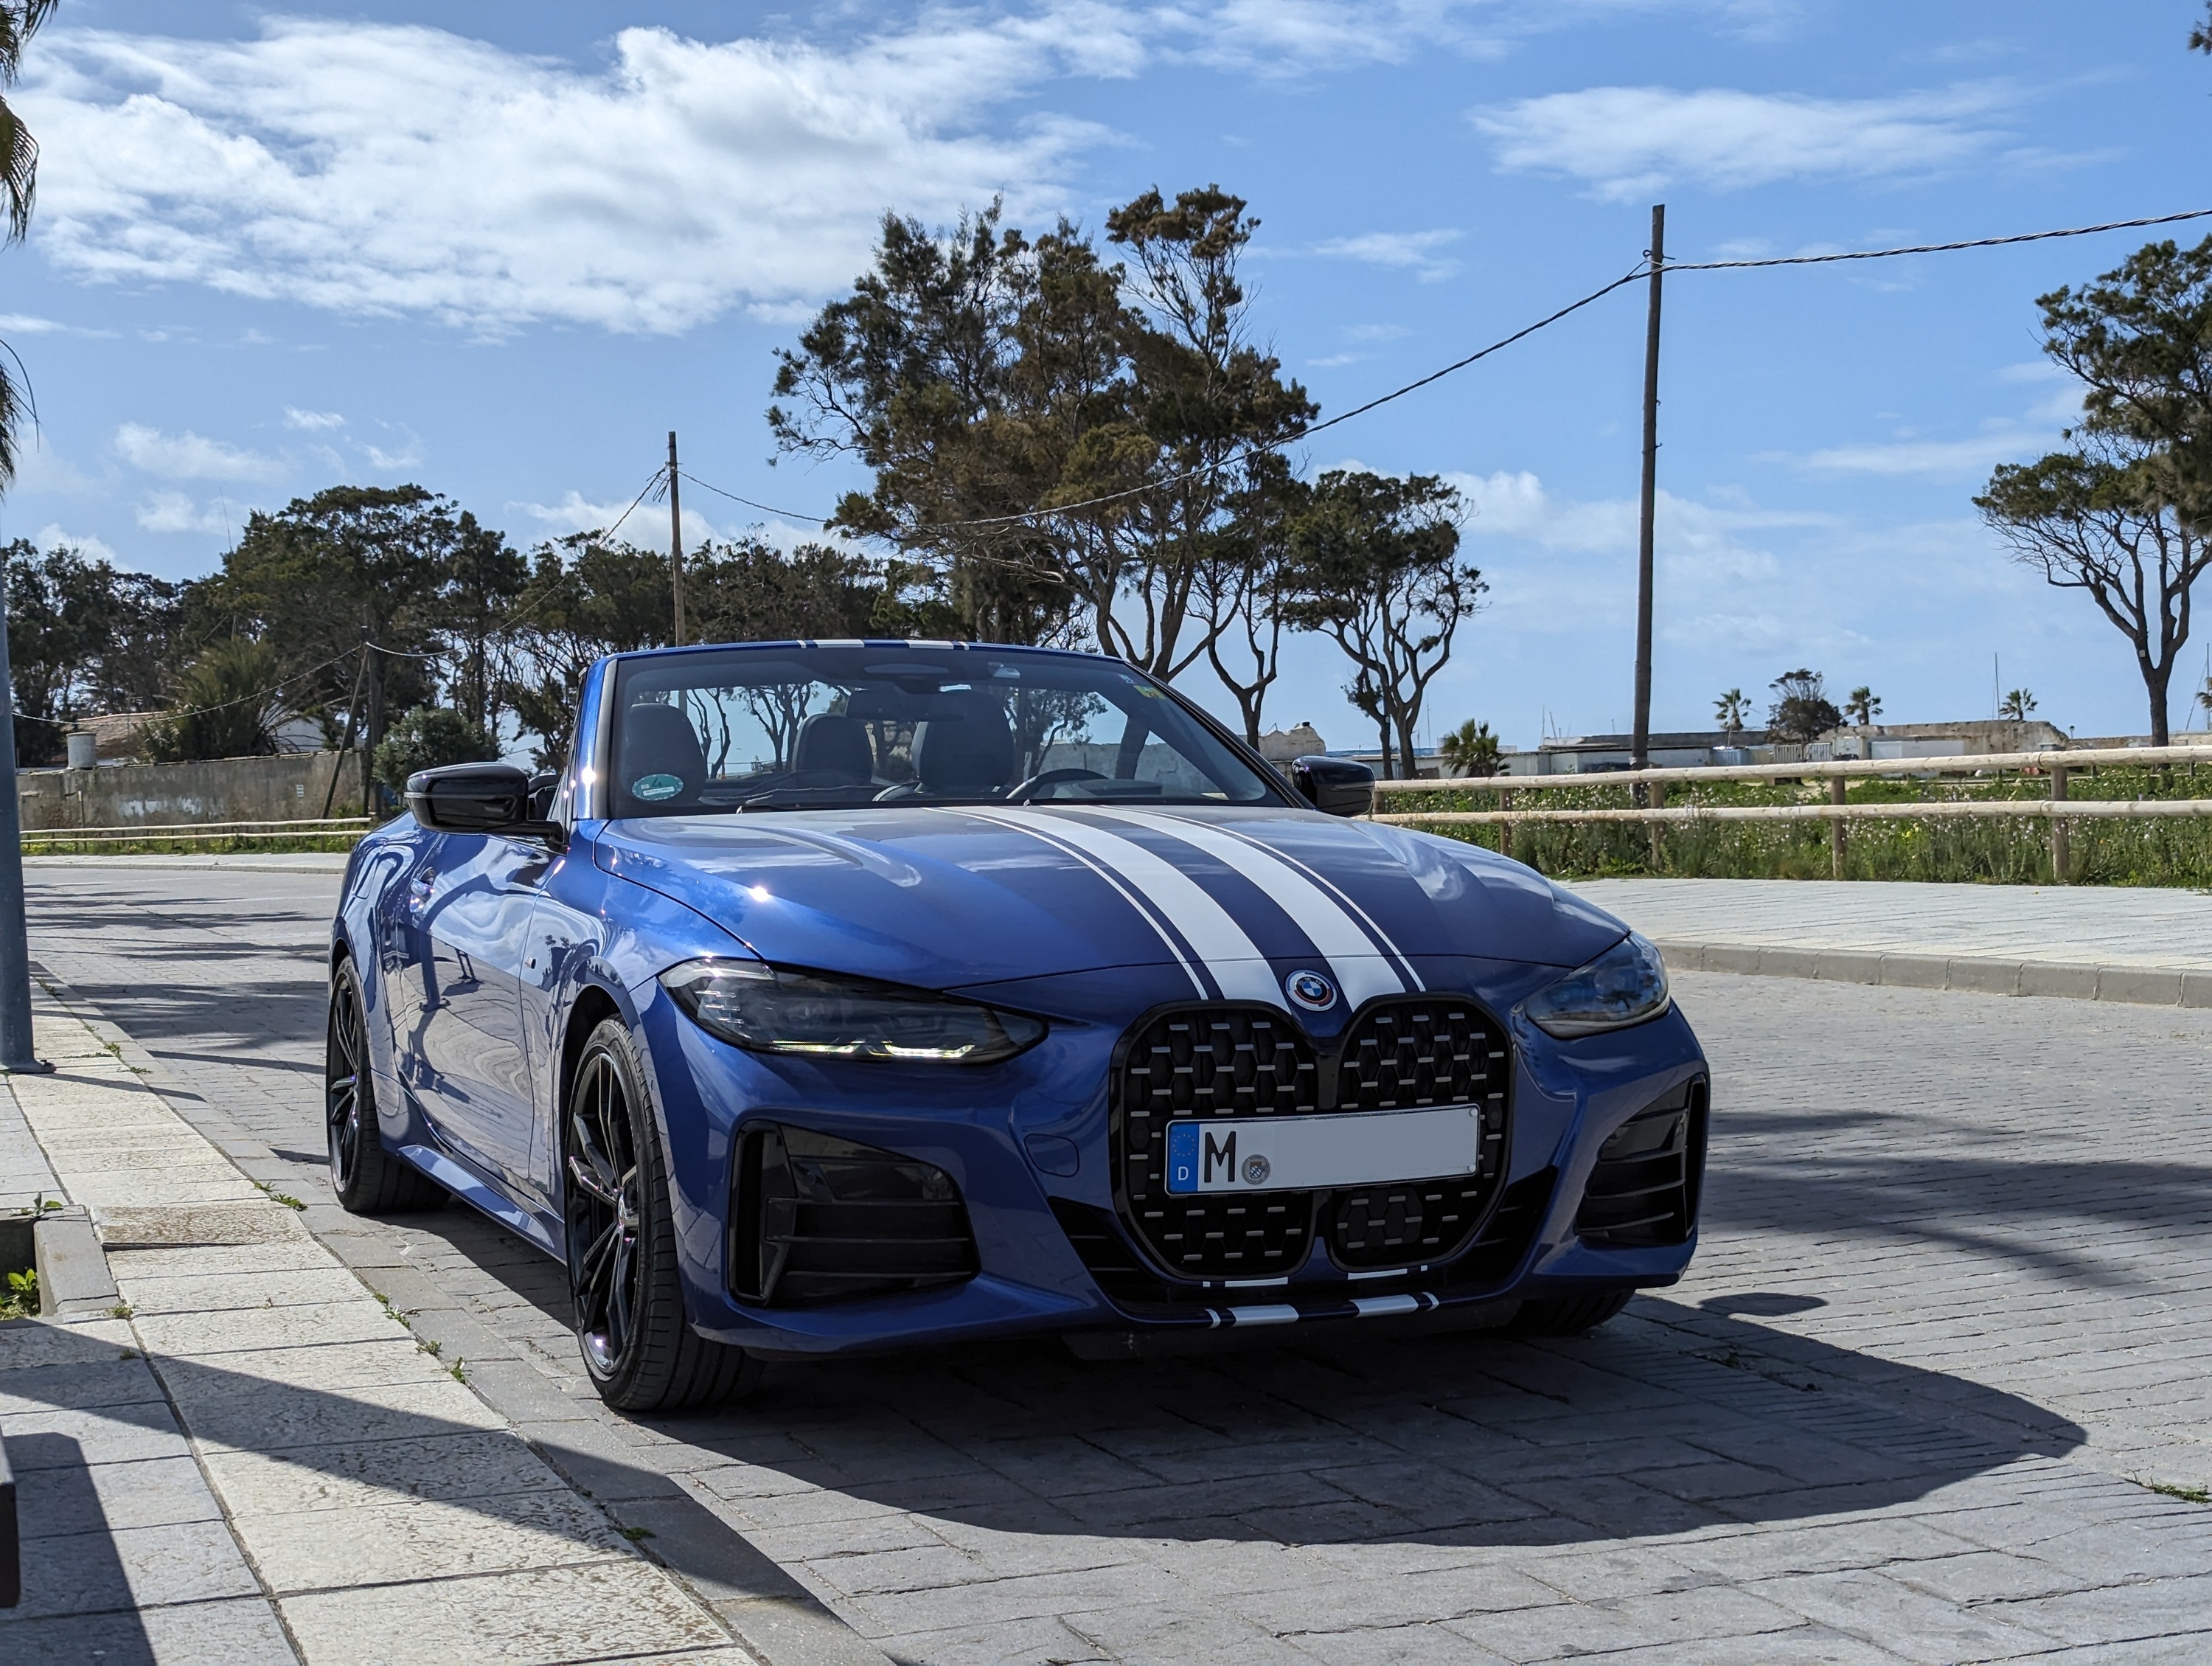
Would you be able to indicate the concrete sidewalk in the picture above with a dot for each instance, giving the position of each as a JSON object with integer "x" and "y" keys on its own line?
{"x": 2090, "y": 943}
{"x": 250, "y": 1457}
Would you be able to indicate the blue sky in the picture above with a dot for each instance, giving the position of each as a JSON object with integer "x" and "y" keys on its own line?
{"x": 502, "y": 249}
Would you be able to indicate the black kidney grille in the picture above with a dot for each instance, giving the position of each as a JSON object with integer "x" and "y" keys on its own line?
{"x": 1230, "y": 1061}
{"x": 1409, "y": 1054}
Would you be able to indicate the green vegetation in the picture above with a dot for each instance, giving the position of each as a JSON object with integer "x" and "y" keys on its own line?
{"x": 2176, "y": 852}
{"x": 425, "y": 738}
{"x": 21, "y": 1301}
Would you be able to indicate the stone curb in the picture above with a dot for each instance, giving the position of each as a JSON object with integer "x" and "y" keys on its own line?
{"x": 74, "y": 1282}
{"x": 217, "y": 864}
{"x": 1989, "y": 974}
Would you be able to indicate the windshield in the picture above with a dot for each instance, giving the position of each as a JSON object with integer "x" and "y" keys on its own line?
{"x": 800, "y": 729}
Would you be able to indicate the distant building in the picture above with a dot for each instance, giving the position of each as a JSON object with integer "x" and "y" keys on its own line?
{"x": 1282, "y": 746}
{"x": 1972, "y": 738}
{"x": 1602, "y": 754}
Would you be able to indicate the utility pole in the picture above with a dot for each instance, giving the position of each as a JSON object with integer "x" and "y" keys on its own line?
{"x": 675, "y": 539}
{"x": 1640, "y": 743}
{"x": 16, "y": 1052}
{"x": 373, "y": 731}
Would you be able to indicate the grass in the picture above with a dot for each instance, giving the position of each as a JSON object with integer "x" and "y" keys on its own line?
{"x": 275, "y": 1196}
{"x": 52, "y": 842}
{"x": 1989, "y": 852}
{"x": 21, "y": 1301}
{"x": 2186, "y": 1494}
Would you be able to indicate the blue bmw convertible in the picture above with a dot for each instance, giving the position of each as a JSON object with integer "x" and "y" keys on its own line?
{"x": 855, "y": 996}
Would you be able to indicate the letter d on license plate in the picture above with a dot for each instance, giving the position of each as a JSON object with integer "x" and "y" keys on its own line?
{"x": 1305, "y": 1153}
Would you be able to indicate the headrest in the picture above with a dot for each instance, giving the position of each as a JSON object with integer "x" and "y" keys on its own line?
{"x": 830, "y": 744}
{"x": 662, "y": 764}
{"x": 963, "y": 745}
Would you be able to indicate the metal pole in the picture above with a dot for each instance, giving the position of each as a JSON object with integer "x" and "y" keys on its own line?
{"x": 16, "y": 1050}
{"x": 372, "y": 730}
{"x": 675, "y": 539}
{"x": 2060, "y": 857}
{"x": 1640, "y": 743}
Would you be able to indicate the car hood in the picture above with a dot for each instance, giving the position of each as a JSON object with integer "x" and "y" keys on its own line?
{"x": 1236, "y": 899}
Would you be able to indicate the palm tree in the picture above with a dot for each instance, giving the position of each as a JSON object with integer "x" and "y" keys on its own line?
{"x": 1470, "y": 750}
{"x": 19, "y": 183}
{"x": 1730, "y": 709}
{"x": 2205, "y": 700}
{"x": 1862, "y": 706}
{"x": 2017, "y": 705}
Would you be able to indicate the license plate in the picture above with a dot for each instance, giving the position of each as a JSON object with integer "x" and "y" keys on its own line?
{"x": 1307, "y": 1153}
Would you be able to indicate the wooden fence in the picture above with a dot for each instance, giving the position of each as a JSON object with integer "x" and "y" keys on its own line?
{"x": 325, "y": 827}
{"x": 1650, "y": 786}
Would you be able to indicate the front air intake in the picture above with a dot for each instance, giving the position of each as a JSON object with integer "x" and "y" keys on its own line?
{"x": 1643, "y": 1190}
{"x": 815, "y": 1219}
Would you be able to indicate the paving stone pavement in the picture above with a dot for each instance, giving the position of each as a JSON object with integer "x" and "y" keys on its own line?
{"x": 250, "y": 1459}
{"x": 2151, "y": 946}
{"x": 1945, "y": 1336}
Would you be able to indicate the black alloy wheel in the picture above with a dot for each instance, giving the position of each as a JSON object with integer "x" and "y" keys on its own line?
{"x": 368, "y": 1179}
{"x": 637, "y": 1341}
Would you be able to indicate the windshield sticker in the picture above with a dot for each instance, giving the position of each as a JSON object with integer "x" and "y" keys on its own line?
{"x": 653, "y": 788}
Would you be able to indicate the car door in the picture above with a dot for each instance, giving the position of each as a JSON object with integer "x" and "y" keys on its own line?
{"x": 473, "y": 898}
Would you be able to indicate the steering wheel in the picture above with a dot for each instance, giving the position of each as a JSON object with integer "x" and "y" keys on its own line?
{"x": 1037, "y": 782}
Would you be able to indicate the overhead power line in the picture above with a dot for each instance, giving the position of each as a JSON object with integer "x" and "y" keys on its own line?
{"x": 1932, "y": 248}
{"x": 1643, "y": 270}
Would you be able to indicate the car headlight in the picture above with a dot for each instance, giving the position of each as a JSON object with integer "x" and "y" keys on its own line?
{"x": 1624, "y": 985}
{"x": 768, "y": 1009}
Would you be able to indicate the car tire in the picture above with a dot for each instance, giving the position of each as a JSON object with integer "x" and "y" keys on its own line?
{"x": 625, "y": 1287}
{"x": 368, "y": 1179}
{"x": 1566, "y": 1315}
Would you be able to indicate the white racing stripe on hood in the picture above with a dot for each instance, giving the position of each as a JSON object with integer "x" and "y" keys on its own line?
{"x": 1232, "y": 957}
{"x": 1355, "y": 956}
{"x": 1137, "y": 905}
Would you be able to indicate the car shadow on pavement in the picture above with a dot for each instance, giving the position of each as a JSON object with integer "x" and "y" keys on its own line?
{"x": 1670, "y": 1418}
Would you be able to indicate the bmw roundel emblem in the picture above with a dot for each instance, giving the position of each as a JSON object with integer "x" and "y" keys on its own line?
{"x": 1310, "y": 990}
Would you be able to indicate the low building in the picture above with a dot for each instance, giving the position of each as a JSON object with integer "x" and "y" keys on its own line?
{"x": 1603, "y": 754}
{"x": 1971, "y": 738}
{"x": 1280, "y": 746}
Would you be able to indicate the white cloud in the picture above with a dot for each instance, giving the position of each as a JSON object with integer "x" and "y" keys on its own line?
{"x": 379, "y": 169}
{"x": 52, "y": 536}
{"x": 312, "y": 420}
{"x": 1930, "y": 460}
{"x": 175, "y": 512}
{"x": 1412, "y": 250}
{"x": 24, "y": 324}
{"x": 187, "y": 456}
{"x": 647, "y": 524}
{"x": 1628, "y": 142}
{"x": 1284, "y": 38}
{"x": 407, "y": 455}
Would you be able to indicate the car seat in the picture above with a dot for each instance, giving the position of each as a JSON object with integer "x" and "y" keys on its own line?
{"x": 964, "y": 747}
{"x": 833, "y": 751}
{"x": 662, "y": 766}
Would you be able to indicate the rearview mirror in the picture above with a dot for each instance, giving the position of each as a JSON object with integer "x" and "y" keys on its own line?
{"x": 477, "y": 798}
{"x": 1334, "y": 786}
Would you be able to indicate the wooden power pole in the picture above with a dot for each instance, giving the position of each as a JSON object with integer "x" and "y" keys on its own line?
{"x": 675, "y": 539}
{"x": 1640, "y": 744}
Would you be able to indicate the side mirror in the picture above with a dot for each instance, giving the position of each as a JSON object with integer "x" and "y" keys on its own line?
{"x": 477, "y": 798}
{"x": 1334, "y": 786}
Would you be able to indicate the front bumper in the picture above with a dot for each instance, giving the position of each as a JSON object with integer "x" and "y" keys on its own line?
{"x": 1026, "y": 1143}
